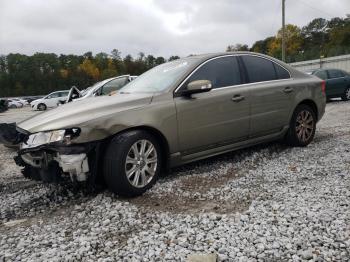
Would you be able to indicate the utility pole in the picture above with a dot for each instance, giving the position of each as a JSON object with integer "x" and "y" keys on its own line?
{"x": 283, "y": 31}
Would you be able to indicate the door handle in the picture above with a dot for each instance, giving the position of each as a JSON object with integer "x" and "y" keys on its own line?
{"x": 237, "y": 98}
{"x": 288, "y": 89}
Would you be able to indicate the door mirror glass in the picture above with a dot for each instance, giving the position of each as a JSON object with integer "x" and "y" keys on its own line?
{"x": 197, "y": 86}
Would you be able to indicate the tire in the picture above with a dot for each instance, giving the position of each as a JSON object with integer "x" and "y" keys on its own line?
{"x": 12, "y": 106}
{"x": 41, "y": 107}
{"x": 302, "y": 126}
{"x": 115, "y": 166}
{"x": 346, "y": 95}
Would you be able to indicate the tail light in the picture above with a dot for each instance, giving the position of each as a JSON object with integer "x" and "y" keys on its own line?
{"x": 323, "y": 87}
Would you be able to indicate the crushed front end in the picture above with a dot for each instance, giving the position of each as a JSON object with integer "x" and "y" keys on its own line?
{"x": 48, "y": 155}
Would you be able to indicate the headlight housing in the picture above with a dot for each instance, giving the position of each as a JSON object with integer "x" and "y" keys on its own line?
{"x": 56, "y": 136}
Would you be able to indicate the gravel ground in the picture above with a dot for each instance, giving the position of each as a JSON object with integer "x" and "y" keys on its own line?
{"x": 266, "y": 203}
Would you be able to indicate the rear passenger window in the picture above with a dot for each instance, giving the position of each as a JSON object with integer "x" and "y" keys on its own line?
{"x": 221, "y": 72}
{"x": 259, "y": 69}
{"x": 335, "y": 73}
{"x": 281, "y": 72}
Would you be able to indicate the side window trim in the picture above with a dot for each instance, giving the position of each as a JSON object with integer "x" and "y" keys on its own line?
{"x": 180, "y": 86}
{"x": 274, "y": 66}
{"x": 241, "y": 66}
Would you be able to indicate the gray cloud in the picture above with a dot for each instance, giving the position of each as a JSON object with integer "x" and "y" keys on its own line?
{"x": 159, "y": 27}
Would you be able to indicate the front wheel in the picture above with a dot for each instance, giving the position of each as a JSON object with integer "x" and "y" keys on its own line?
{"x": 42, "y": 107}
{"x": 132, "y": 163}
{"x": 346, "y": 95}
{"x": 302, "y": 126}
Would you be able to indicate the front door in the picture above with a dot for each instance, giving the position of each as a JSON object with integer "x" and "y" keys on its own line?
{"x": 219, "y": 117}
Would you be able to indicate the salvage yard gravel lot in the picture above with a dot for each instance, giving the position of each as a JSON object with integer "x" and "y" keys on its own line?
{"x": 266, "y": 203}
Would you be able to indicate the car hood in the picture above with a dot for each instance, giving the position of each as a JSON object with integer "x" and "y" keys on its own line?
{"x": 36, "y": 101}
{"x": 78, "y": 113}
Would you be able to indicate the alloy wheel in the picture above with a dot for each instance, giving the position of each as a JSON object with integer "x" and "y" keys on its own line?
{"x": 141, "y": 163}
{"x": 347, "y": 94}
{"x": 304, "y": 126}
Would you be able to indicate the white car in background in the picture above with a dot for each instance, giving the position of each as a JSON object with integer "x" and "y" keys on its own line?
{"x": 20, "y": 100}
{"x": 108, "y": 86}
{"x": 49, "y": 101}
{"x": 13, "y": 103}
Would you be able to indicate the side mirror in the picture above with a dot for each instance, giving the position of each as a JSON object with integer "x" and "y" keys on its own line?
{"x": 197, "y": 86}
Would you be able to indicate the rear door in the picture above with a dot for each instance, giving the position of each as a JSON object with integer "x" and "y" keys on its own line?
{"x": 336, "y": 82}
{"x": 215, "y": 118}
{"x": 272, "y": 94}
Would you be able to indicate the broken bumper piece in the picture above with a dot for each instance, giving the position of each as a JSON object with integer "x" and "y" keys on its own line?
{"x": 52, "y": 160}
{"x": 47, "y": 155}
{"x": 76, "y": 165}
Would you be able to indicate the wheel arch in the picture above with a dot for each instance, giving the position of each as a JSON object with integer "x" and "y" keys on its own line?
{"x": 163, "y": 142}
{"x": 311, "y": 104}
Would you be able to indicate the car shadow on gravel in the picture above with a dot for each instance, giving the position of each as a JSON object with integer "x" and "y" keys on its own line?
{"x": 41, "y": 199}
{"x": 188, "y": 178}
{"x": 195, "y": 186}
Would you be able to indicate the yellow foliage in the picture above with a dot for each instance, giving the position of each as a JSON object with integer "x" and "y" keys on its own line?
{"x": 90, "y": 69}
{"x": 64, "y": 73}
{"x": 293, "y": 38}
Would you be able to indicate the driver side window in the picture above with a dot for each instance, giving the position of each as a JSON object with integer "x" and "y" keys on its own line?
{"x": 222, "y": 72}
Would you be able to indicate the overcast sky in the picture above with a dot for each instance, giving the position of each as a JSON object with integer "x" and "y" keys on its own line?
{"x": 158, "y": 27}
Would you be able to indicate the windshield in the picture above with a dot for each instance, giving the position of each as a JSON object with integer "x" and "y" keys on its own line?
{"x": 160, "y": 78}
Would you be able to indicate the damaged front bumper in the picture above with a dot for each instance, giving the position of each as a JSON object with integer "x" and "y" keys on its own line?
{"x": 48, "y": 161}
{"x": 76, "y": 165}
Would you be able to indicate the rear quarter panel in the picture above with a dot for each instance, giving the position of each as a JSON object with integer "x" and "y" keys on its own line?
{"x": 308, "y": 87}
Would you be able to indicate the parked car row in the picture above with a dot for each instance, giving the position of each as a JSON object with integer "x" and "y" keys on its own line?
{"x": 178, "y": 112}
{"x": 19, "y": 102}
{"x": 106, "y": 87}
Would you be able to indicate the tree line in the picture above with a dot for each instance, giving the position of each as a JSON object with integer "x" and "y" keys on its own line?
{"x": 42, "y": 73}
{"x": 320, "y": 38}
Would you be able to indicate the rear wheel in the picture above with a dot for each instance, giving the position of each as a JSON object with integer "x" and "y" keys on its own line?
{"x": 302, "y": 126}
{"x": 346, "y": 95}
{"x": 42, "y": 107}
{"x": 132, "y": 163}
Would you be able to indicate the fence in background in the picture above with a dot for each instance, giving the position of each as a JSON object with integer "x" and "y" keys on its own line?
{"x": 339, "y": 62}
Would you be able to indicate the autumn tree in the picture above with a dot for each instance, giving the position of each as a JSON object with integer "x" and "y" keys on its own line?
{"x": 90, "y": 69}
{"x": 237, "y": 47}
{"x": 293, "y": 40}
{"x": 262, "y": 46}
